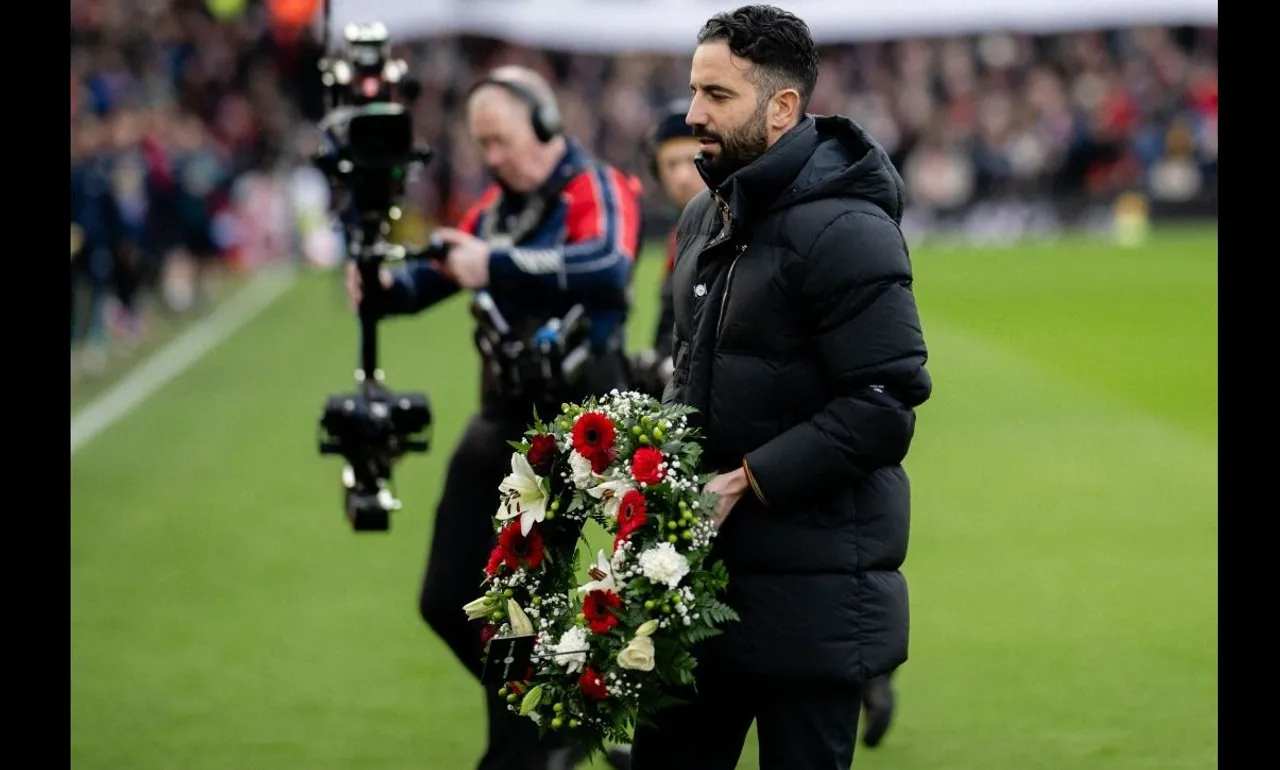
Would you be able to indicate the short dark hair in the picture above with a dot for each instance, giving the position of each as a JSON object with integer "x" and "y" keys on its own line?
{"x": 777, "y": 42}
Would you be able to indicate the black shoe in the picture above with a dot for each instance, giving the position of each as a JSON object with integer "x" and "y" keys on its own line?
{"x": 879, "y": 701}
{"x": 618, "y": 757}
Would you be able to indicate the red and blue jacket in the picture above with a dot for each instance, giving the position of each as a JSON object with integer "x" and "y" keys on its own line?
{"x": 573, "y": 241}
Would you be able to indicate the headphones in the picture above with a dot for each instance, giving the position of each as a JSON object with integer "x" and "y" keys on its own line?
{"x": 670, "y": 125}
{"x": 544, "y": 117}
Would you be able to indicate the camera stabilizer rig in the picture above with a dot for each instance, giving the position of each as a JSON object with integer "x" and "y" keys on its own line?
{"x": 369, "y": 151}
{"x": 374, "y": 426}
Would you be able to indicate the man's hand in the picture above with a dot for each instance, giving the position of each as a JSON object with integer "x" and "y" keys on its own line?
{"x": 730, "y": 487}
{"x": 468, "y": 260}
{"x": 355, "y": 287}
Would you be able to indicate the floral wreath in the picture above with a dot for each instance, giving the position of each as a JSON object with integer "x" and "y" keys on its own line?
{"x": 609, "y": 653}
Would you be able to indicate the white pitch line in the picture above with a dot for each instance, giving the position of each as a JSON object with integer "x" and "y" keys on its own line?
{"x": 174, "y": 358}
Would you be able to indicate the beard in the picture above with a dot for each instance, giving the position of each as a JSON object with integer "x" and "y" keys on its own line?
{"x": 738, "y": 146}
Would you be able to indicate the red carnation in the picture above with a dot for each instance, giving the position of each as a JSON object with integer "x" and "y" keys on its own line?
{"x": 593, "y": 438}
{"x": 631, "y": 513}
{"x": 542, "y": 450}
{"x": 598, "y": 608}
{"x": 520, "y": 549}
{"x": 487, "y": 632}
{"x": 592, "y": 685}
{"x": 495, "y": 561}
{"x": 646, "y": 465}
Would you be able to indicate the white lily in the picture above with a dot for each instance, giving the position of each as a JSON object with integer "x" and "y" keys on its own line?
{"x": 602, "y": 576}
{"x": 520, "y": 623}
{"x": 479, "y": 608}
{"x": 611, "y": 493}
{"x": 522, "y": 495}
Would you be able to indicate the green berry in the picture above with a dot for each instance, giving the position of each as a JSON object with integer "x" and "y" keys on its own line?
{"x": 511, "y": 698}
{"x": 558, "y": 707}
{"x": 650, "y": 604}
{"x": 495, "y": 615}
{"x": 644, "y": 440}
{"x": 555, "y": 505}
{"x": 666, "y": 609}
{"x": 502, "y": 692}
{"x": 550, "y": 515}
{"x": 573, "y": 724}
{"x": 687, "y": 534}
{"x": 507, "y": 592}
{"x": 557, "y": 723}
{"x": 635, "y": 430}
{"x": 673, "y": 524}
{"x": 672, "y": 539}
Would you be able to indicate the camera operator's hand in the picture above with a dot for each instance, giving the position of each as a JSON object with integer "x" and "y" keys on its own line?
{"x": 468, "y": 260}
{"x": 355, "y": 287}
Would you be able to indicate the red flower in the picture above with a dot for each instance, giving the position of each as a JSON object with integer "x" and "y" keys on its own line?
{"x": 598, "y": 608}
{"x": 631, "y": 513}
{"x": 593, "y": 438}
{"x": 495, "y": 561}
{"x": 645, "y": 465}
{"x": 542, "y": 451}
{"x": 519, "y": 549}
{"x": 487, "y": 632}
{"x": 592, "y": 685}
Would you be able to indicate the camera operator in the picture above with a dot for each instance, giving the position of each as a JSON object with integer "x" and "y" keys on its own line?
{"x": 671, "y": 149}
{"x": 557, "y": 229}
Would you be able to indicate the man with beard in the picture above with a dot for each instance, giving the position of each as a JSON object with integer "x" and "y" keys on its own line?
{"x": 798, "y": 341}
{"x": 557, "y": 229}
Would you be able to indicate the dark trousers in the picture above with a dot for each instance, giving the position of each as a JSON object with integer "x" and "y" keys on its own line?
{"x": 800, "y": 729}
{"x": 460, "y": 546}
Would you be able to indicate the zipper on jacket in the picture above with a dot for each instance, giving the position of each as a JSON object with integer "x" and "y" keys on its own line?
{"x": 727, "y": 221}
{"x": 728, "y": 285}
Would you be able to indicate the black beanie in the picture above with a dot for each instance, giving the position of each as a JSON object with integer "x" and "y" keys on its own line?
{"x": 671, "y": 125}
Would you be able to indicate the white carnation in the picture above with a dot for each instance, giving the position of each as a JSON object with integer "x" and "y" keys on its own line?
{"x": 664, "y": 564}
{"x": 571, "y": 651}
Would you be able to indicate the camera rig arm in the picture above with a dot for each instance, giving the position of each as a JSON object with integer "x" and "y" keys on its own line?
{"x": 369, "y": 263}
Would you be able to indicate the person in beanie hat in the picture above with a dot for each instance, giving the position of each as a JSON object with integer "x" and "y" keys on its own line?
{"x": 671, "y": 149}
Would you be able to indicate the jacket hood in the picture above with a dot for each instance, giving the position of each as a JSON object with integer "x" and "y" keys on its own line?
{"x": 827, "y": 156}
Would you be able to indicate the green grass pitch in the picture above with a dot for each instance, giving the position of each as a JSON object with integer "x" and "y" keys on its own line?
{"x": 1063, "y": 563}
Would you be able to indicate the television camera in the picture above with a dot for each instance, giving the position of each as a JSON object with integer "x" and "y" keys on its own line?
{"x": 368, "y": 152}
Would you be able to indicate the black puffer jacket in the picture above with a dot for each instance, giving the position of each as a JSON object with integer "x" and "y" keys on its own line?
{"x": 797, "y": 338}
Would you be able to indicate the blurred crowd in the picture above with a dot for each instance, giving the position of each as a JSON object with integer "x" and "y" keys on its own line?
{"x": 1082, "y": 117}
{"x": 184, "y": 128}
{"x": 192, "y": 122}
